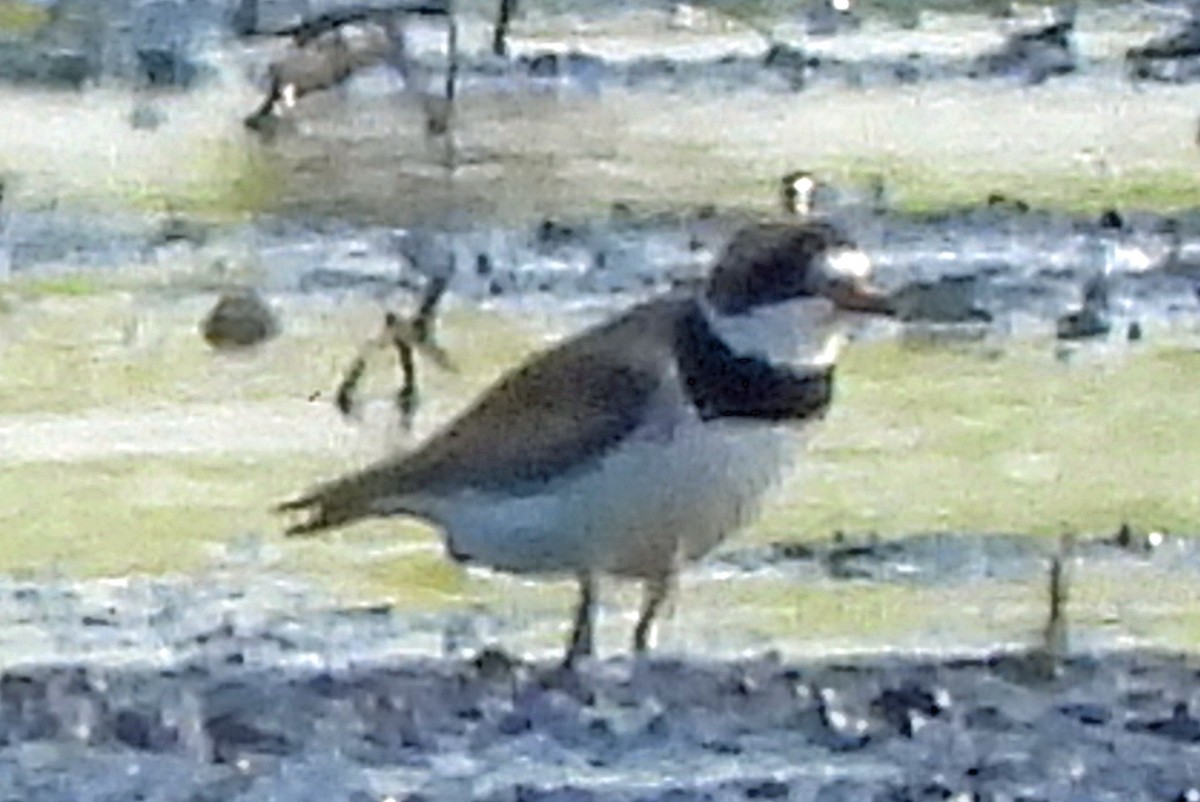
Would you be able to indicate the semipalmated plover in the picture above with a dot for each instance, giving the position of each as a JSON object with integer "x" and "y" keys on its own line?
{"x": 643, "y": 442}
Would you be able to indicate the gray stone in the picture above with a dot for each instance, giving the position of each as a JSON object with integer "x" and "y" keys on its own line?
{"x": 1084, "y": 323}
{"x": 146, "y": 117}
{"x": 240, "y": 319}
{"x": 1037, "y": 54}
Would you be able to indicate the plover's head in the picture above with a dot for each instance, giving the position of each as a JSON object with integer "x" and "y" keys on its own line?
{"x": 780, "y": 289}
{"x": 797, "y": 191}
{"x": 772, "y": 265}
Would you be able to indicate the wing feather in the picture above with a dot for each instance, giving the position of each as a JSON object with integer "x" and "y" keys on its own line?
{"x": 541, "y": 421}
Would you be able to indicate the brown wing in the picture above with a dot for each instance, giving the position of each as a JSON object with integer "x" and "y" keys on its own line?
{"x": 545, "y": 419}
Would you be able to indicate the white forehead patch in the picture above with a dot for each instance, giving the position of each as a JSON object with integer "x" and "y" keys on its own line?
{"x": 841, "y": 5}
{"x": 803, "y": 186}
{"x": 849, "y": 262}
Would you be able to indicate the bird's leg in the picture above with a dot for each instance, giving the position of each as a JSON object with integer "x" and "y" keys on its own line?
{"x": 654, "y": 593}
{"x": 418, "y": 332}
{"x": 255, "y": 119}
{"x": 345, "y": 392}
{"x": 406, "y": 398}
{"x": 585, "y": 614}
{"x": 349, "y": 384}
{"x": 422, "y": 322}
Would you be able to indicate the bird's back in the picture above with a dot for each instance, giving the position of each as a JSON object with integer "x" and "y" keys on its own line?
{"x": 539, "y": 421}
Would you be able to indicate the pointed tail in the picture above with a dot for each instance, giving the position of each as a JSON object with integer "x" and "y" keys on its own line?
{"x": 333, "y": 504}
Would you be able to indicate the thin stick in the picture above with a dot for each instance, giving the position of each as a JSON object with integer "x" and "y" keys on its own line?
{"x": 451, "y": 86}
{"x": 500, "y": 32}
{"x": 1055, "y": 645}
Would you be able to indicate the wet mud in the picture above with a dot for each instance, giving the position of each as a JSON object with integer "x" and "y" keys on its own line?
{"x": 248, "y": 686}
{"x": 304, "y": 707}
{"x": 1007, "y": 268}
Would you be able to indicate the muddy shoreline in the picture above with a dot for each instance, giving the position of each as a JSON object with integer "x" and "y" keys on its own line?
{"x": 296, "y": 707}
{"x": 249, "y": 686}
{"x": 165, "y": 46}
{"x": 1008, "y": 268}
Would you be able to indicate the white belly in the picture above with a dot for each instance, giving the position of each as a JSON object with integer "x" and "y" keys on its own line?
{"x": 664, "y": 496}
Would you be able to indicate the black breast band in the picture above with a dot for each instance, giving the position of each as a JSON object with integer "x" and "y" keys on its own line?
{"x": 724, "y": 384}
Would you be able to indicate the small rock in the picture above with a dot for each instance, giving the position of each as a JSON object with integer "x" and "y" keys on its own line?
{"x": 438, "y": 111}
{"x": 620, "y": 211}
{"x": 790, "y": 62}
{"x": 145, "y": 117}
{"x": 1181, "y": 726}
{"x": 137, "y": 730}
{"x": 1088, "y": 713}
{"x": 553, "y": 234}
{"x": 1129, "y": 539}
{"x": 483, "y": 265}
{"x": 767, "y": 789}
{"x": 998, "y": 200}
{"x": 164, "y": 66}
{"x": 231, "y": 735}
{"x": 1111, "y": 220}
{"x": 1037, "y": 54}
{"x": 989, "y": 718}
{"x": 791, "y": 550}
{"x": 176, "y": 228}
{"x": 494, "y": 664}
{"x": 560, "y": 65}
{"x": 514, "y": 723}
{"x": 239, "y": 319}
{"x": 1157, "y": 58}
{"x": 906, "y": 708}
{"x": 68, "y": 68}
{"x": 1080, "y": 324}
